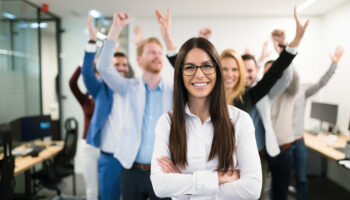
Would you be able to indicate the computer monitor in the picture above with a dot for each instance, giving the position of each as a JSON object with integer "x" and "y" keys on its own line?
{"x": 324, "y": 112}
{"x": 30, "y": 128}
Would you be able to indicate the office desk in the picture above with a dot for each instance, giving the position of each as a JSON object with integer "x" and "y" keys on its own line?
{"x": 23, "y": 164}
{"x": 317, "y": 144}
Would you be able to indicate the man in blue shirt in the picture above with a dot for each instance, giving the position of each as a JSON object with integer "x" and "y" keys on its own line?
{"x": 145, "y": 99}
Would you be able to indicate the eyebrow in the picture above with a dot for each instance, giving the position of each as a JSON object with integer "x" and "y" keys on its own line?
{"x": 205, "y": 62}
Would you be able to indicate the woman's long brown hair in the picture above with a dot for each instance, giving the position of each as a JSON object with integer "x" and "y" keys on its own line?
{"x": 223, "y": 144}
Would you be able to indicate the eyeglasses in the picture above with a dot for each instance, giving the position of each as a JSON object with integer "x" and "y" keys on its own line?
{"x": 190, "y": 69}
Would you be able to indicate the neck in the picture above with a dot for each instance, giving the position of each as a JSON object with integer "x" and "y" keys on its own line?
{"x": 151, "y": 79}
{"x": 227, "y": 94}
{"x": 199, "y": 107}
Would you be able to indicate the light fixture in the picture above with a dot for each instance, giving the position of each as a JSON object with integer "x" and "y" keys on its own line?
{"x": 305, "y": 5}
{"x": 8, "y": 15}
{"x": 95, "y": 13}
{"x": 36, "y": 25}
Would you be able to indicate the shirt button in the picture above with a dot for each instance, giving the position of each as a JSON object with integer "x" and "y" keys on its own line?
{"x": 149, "y": 132}
{"x": 150, "y": 118}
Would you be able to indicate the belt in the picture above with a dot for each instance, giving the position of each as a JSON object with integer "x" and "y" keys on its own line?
{"x": 106, "y": 153}
{"x": 285, "y": 146}
{"x": 143, "y": 167}
{"x": 297, "y": 140}
{"x": 261, "y": 153}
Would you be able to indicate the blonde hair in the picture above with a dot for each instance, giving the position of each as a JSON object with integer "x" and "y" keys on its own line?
{"x": 141, "y": 47}
{"x": 238, "y": 89}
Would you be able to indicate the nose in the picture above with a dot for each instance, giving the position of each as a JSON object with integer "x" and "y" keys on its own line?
{"x": 199, "y": 73}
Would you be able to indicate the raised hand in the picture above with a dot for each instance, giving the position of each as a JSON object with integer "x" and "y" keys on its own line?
{"x": 167, "y": 165}
{"x": 279, "y": 36}
{"x": 205, "y": 33}
{"x": 337, "y": 54}
{"x": 120, "y": 20}
{"x": 165, "y": 29}
{"x": 138, "y": 35}
{"x": 300, "y": 29}
{"x": 264, "y": 52}
{"x": 92, "y": 31}
{"x": 228, "y": 176}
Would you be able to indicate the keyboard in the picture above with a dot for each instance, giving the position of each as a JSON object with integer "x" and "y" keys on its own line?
{"x": 35, "y": 150}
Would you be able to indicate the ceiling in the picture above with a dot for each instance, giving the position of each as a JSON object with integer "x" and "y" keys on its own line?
{"x": 186, "y": 8}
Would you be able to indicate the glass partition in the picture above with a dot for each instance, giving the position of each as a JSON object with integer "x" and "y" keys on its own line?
{"x": 28, "y": 61}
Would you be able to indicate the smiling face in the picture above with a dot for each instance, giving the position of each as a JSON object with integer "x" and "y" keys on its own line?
{"x": 151, "y": 58}
{"x": 230, "y": 72}
{"x": 121, "y": 65}
{"x": 198, "y": 85}
{"x": 251, "y": 71}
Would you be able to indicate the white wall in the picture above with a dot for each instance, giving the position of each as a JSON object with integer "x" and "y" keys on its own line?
{"x": 336, "y": 31}
{"x": 73, "y": 44}
{"x": 237, "y": 33}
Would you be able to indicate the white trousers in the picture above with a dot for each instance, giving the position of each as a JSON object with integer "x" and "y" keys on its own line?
{"x": 90, "y": 160}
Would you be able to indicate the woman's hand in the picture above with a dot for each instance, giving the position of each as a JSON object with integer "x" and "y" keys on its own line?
{"x": 228, "y": 176}
{"x": 167, "y": 165}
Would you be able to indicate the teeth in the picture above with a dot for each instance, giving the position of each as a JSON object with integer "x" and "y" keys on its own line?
{"x": 229, "y": 81}
{"x": 200, "y": 84}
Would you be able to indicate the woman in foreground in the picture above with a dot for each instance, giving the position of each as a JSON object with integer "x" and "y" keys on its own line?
{"x": 204, "y": 149}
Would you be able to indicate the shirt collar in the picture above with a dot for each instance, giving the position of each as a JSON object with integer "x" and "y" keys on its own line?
{"x": 159, "y": 87}
{"x": 188, "y": 112}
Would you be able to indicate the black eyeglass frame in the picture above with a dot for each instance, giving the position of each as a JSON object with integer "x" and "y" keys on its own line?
{"x": 201, "y": 67}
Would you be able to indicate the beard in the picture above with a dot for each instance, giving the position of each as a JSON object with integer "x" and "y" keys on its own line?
{"x": 152, "y": 69}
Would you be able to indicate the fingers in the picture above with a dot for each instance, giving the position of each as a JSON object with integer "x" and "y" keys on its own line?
{"x": 168, "y": 19}
{"x": 306, "y": 24}
{"x": 159, "y": 15}
{"x": 89, "y": 20}
{"x": 167, "y": 165}
{"x": 296, "y": 16}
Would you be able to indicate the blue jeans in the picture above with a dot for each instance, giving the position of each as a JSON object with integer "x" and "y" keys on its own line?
{"x": 300, "y": 167}
{"x": 109, "y": 170}
{"x": 281, "y": 169}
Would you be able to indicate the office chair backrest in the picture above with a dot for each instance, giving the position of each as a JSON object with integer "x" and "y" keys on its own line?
{"x": 7, "y": 165}
{"x": 71, "y": 140}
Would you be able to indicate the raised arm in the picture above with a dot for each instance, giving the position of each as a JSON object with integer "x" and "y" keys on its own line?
{"x": 328, "y": 75}
{"x": 284, "y": 60}
{"x": 264, "y": 54}
{"x": 138, "y": 35}
{"x": 104, "y": 65}
{"x": 73, "y": 84}
{"x": 92, "y": 84}
{"x": 279, "y": 41}
{"x": 165, "y": 30}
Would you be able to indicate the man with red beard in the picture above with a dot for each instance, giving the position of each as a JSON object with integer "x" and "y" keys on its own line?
{"x": 145, "y": 99}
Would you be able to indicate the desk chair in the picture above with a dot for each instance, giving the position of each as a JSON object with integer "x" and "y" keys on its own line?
{"x": 63, "y": 164}
{"x": 7, "y": 165}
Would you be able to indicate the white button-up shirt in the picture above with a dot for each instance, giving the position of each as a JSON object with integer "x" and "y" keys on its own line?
{"x": 200, "y": 178}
